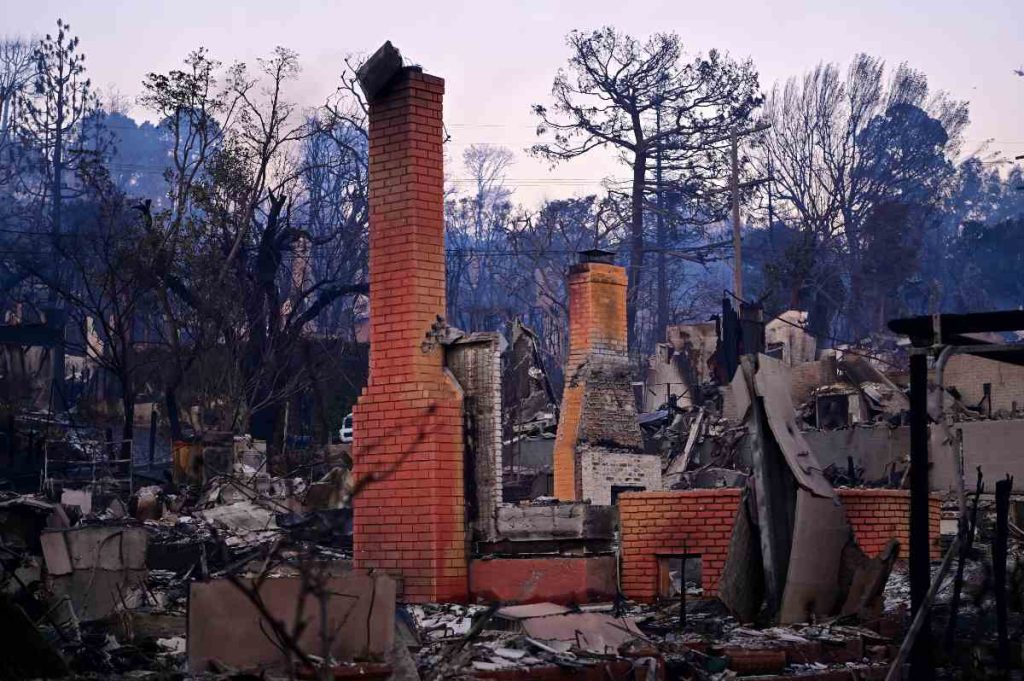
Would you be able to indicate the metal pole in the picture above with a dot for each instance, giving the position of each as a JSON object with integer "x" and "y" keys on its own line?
{"x": 734, "y": 183}
{"x": 682, "y": 587}
{"x": 152, "y": 438}
{"x": 920, "y": 567}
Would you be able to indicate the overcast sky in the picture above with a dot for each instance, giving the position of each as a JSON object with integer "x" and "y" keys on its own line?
{"x": 498, "y": 58}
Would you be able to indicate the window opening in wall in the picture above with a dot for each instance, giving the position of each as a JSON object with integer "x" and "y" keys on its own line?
{"x": 619, "y": 489}
{"x": 833, "y": 411}
{"x": 674, "y": 571}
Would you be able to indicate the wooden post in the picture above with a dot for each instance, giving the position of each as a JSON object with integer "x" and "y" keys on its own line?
{"x": 1003, "y": 488}
{"x": 152, "y": 437}
{"x": 682, "y": 587}
{"x": 920, "y": 564}
{"x": 965, "y": 548}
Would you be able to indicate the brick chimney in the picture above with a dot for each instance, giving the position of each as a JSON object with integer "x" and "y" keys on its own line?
{"x": 599, "y": 446}
{"x": 410, "y": 516}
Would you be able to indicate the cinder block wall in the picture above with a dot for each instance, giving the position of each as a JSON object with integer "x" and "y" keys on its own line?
{"x": 410, "y": 517}
{"x": 968, "y": 374}
{"x": 600, "y": 470}
{"x": 655, "y": 524}
{"x": 807, "y": 376}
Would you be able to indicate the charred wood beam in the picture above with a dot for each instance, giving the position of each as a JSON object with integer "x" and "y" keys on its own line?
{"x": 965, "y": 549}
{"x": 920, "y": 666}
{"x": 918, "y": 628}
{"x": 37, "y": 335}
{"x": 999, "y": 545}
{"x": 922, "y": 329}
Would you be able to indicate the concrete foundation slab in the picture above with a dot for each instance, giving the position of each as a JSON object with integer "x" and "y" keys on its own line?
{"x": 223, "y": 624}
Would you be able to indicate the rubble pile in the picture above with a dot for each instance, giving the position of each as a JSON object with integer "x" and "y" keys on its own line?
{"x": 455, "y": 641}
{"x": 96, "y": 582}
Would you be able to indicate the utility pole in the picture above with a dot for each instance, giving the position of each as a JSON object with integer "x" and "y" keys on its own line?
{"x": 737, "y": 241}
{"x": 734, "y": 188}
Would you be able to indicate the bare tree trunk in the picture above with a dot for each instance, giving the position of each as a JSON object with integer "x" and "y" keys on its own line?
{"x": 636, "y": 256}
{"x": 128, "y": 424}
{"x": 173, "y": 415}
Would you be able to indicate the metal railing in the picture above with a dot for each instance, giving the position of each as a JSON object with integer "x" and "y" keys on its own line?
{"x": 89, "y": 462}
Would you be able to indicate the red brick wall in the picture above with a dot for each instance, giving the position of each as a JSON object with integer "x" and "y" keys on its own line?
{"x": 409, "y": 519}
{"x": 558, "y": 579}
{"x": 878, "y": 515}
{"x": 661, "y": 523}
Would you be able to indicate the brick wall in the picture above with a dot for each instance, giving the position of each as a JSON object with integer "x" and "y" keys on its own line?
{"x": 656, "y": 524}
{"x": 410, "y": 518}
{"x": 878, "y": 515}
{"x": 663, "y": 523}
{"x": 968, "y": 374}
{"x": 598, "y": 406}
{"x": 804, "y": 378}
{"x": 475, "y": 360}
{"x": 563, "y": 458}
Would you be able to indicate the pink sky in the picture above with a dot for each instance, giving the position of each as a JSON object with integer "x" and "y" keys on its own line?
{"x": 498, "y": 58}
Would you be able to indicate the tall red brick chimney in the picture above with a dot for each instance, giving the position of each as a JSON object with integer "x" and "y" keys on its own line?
{"x": 408, "y": 450}
{"x": 598, "y": 446}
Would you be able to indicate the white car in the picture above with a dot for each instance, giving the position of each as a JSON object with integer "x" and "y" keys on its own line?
{"x": 346, "y": 430}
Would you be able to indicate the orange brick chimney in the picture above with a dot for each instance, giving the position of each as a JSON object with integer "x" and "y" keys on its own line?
{"x": 598, "y": 409}
{"x": 408, "y": 449}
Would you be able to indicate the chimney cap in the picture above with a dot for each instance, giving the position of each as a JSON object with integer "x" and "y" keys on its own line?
{"x": 377, "y": 71}
{"x": 597, "y": 255}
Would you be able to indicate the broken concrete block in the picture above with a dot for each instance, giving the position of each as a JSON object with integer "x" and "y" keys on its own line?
{"x": 595, "y": 632}
{"x": 55, "y": 551}
{"x": 77, "y": 497}
{"x": 95, "y": 567}
{"x": 566, "y": 520}
{"x": 223, "y": 625}
{"x": 240, "y": 517}
{"x": 148, "y": 504}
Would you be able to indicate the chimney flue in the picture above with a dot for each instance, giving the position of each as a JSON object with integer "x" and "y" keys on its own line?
{"x": 598, "y": 255}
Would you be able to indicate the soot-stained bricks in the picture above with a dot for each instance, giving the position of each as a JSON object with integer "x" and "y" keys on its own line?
{"x": 598, "y": 413}
{"x": 408, "y": 450}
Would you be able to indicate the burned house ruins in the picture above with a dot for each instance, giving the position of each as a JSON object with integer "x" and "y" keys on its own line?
{"x": 746, "y": 502}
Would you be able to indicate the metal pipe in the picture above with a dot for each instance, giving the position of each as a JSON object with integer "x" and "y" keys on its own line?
{"x": 958, "y": 463}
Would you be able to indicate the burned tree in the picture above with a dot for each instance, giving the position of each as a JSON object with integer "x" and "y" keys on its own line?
{"x": 858, "y": 162}
{"x": 644, "y": 103}
{"x": 264, "y": 235}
